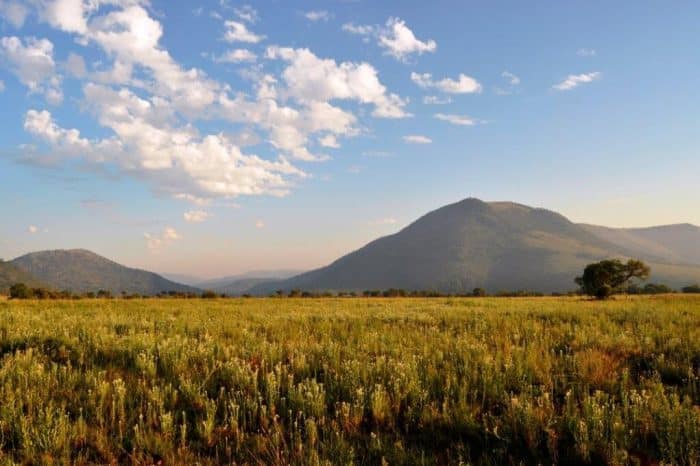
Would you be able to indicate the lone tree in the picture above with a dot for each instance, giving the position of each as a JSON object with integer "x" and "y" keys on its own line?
{"x": 604, "y": 278}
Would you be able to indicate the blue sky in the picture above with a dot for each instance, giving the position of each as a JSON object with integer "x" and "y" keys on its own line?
{"x": 217, "y": 137}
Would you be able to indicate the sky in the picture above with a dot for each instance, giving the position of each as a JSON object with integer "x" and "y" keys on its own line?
{"x": 217, "y": 137}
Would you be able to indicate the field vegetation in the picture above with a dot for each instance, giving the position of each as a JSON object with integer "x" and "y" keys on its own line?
{"x": 554, "y": 380}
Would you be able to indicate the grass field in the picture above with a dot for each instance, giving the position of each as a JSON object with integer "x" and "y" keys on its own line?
{"x": 351, "y": 381}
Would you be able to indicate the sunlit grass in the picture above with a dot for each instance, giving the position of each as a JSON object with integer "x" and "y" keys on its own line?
{"x": 351, "y": 381}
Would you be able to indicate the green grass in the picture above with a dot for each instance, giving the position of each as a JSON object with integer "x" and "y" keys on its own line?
{"x": 351, "y": 381}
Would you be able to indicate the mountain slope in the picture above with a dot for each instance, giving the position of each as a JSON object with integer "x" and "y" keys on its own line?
{"x": 498, "y": 245}
{"x": 672, "y": 243}
{"x": 11, "y": 274}
{"x": 80, "y": 271}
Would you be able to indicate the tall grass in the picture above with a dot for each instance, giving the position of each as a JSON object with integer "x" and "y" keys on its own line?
{"x": 351, "y": 381}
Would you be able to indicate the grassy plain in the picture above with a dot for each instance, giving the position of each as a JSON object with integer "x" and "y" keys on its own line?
{"x": 351, "y": 381}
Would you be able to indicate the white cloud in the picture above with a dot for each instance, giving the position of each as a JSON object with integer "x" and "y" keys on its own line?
{"x": 574, "y": 80}
{"x": 512, "y": 79}
{"x": 329, "y": 141}
{"x": 317, "y": 15}
{"x": 435, "y": 100}
{"x": 417, "y": 139}
{"x": 2, "y": 85}
{"x": 75, "y": 65}
{"x": 259, "y": 224}
{"x": 150, "y": 106}
{"x": 155, "y": 242}
{"x": 400, "y": 42}
{"x": 196, "y": 216}
{"x": 32, "y": 229}
{"x": 236, "y": 56}
{"x": 361, "y": 30}
{"x": 32, "y": 62}
{"x": 463, "y": 85}
{"x": 511, "y": 82}
{"x": 462, "y": 120}
{"x": 13, "y": 12}
{"x": 586, "y": 52}
{"x": 175, "y": 160}
{"x": 238, "y": 32}
{"x": 310, "y": 78}
{"x": 247, "y": 13}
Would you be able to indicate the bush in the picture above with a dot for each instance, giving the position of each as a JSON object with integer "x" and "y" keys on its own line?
{"x": 691, "y": 289}
{"x": 20, "y": 291}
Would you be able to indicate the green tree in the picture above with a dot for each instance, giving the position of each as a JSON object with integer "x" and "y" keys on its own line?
{"x": 691, "y": 289}
{"x": 20, "y": 291}
{"x": 479, "y": 292}
{"x": 604, "y": 278}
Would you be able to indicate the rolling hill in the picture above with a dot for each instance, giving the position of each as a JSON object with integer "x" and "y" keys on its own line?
{"x": 497, "y": 245}
{"x": 79, "y": 270}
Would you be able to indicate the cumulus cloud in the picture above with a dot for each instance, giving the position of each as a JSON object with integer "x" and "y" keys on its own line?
{"x": 75, "y": 65}
{"x": 462, "y": 85}
{"x": 176, "y": 161}
{"x": 196, "y": 216}
{"x": 329, "y": 141}
{"x": 461, "y": 120}
{"x": 155, "y": 242}
{"x": 2, "y": 85}
{"x": 395, "y": 37}
{"x": 13, "y": 12}
{"x": 400, "y": 42}
{"x": 317, "y": 15}
{"x": 311, "y": 78}
{"x": 417, "y": 139}
{"x": 238, "y": 32}
{"x": 574, "y": 80}
{"x": 149, "y": 106}
{"x": 259, "y": 224}
{"x": 32, "y": 62}
{"x": 32, "y": 229}
{"x": 236, "y": 56}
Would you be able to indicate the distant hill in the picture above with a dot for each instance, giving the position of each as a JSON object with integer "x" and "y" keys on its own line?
{"x": 11, "y": 274}
{"x": 241, "y": 284}
{"x": 671, "y": 243}
{"x": 79, "y": 270}
{"x": 497, "y": 245}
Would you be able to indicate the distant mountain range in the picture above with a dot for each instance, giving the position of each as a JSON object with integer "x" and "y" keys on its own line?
{"x": 500, "y": 246}
{"x": 79, "y": 270}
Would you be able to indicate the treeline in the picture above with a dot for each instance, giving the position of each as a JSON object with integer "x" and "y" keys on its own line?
{"x": 22, "y": 291}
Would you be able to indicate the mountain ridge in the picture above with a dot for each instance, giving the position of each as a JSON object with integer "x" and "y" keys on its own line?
{"x": 471, "y": 243}
{"x": 80, "y": 270}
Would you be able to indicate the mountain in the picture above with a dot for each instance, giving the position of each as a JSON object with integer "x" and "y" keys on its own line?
{"x": 240, "y": 284}
{"x": 79, "y": 270}
{"x": 670, "y": 243}
{"x": 11, "y": 274}
{"x": 496, "y": 245}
